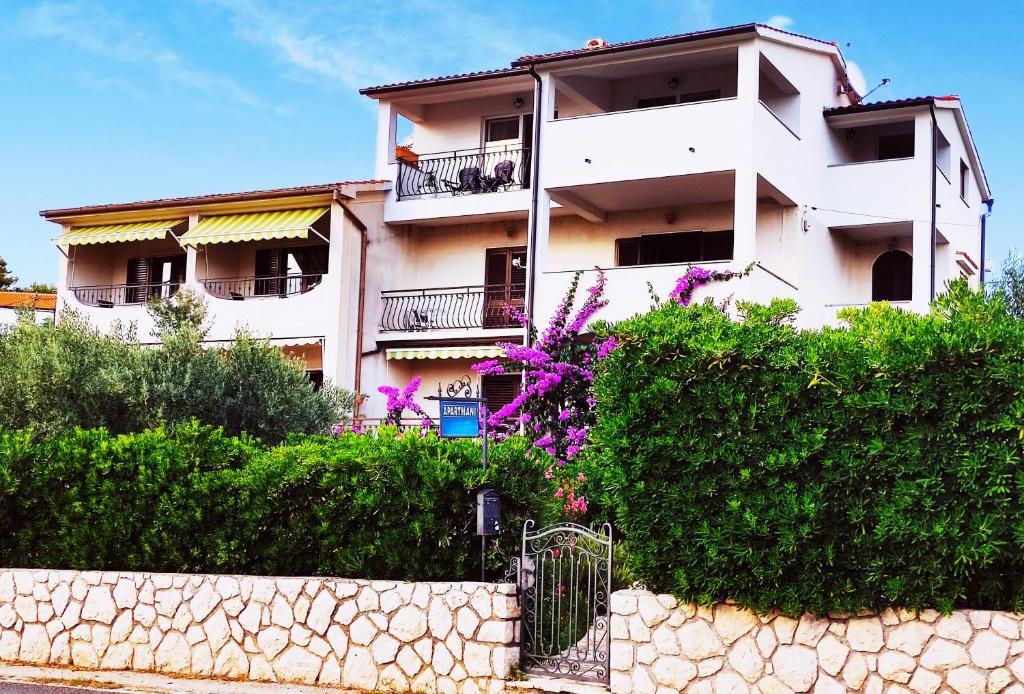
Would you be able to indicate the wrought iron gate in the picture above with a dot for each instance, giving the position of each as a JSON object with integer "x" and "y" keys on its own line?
{"x": 564, "y": 585}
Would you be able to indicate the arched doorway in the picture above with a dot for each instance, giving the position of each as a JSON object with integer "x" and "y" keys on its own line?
{"x": 892, "y": 276}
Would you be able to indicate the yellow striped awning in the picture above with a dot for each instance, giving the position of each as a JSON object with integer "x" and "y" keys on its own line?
{"x": 475, "y": 352}
{"x": 256, "y": 226}
{"x": 112, "y": 233}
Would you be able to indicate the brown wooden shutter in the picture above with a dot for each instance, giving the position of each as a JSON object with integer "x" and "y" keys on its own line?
{"x": 268, "y": 269}
{"x": 504, "y": 285}
{"x": 499, "y": 391}
{"x": 137, "y": 278}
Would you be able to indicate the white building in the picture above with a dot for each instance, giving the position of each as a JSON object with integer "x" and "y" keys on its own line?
{"x": 725, "y": 148}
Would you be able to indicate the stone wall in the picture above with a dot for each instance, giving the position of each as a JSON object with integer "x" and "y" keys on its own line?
{"x": 370, "y": 635}
{"x": 660, "y": 646}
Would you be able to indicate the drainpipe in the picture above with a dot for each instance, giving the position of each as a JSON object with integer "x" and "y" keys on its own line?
{"x": 934, "y": 230}
{"x": 984, "y": 218}
{"x": 538, "y": 95}
{"x": 357, "y": 380}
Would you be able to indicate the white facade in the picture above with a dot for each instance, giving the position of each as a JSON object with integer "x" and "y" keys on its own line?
{"x": 726, "y": 149}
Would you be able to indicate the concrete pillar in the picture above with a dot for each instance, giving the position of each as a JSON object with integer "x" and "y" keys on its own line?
{"x": 540, "y": 220}
{"x": 921, "y": 285}
{"x": 387, "y": 131}
{"x": 745, "y": 191}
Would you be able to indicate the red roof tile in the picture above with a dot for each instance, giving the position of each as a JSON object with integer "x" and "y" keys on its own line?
{"x": 447, "y": 79}
{"x": 40, "y": 302}
{"x": 208, "y": 199}
{"x": 891, "y": 103}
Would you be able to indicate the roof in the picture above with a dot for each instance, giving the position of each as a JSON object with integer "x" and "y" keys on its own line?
{"x": 890, "y": 104}
{"x": 523, "y": 64}
{"x": 34, "y": 300}
{"x": 660, "y": 41}
{"x": 321, "y": 189}
{"x": 446, "y": 79}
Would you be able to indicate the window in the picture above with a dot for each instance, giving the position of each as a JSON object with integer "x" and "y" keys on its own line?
{"x": 292, "y": 270}
{"x": 316, "y": 377}
{"x": 678, "y": 247}
{"x": 501, "y": 129}
{"x": 892, "y": 277}
{"x": 942, "y": 153}
{"x": 900, "y": 146}
{"x": 668, "y": 100}
{"x": 499, "y": 391}
{"x": 965, "y": 180}
{"x": 504, "y": 285}
{"x": 153, "y": 278}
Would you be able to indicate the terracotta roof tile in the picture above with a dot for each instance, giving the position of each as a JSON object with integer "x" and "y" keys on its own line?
{"x": 208, "y": 199}
{"x": 447, "y": 79}
{"x": 41, "y": 302}
{"x": 891, "y": 103}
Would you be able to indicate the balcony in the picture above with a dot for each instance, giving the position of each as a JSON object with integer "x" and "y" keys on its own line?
{"x": 111, "y": 295}
{"x": 632, "y": 145}
{"x": 450, "y": 308}
{"x": 458, "y": 185}
{"x": 463, "y": 172}
{"x": 241, "y": 288}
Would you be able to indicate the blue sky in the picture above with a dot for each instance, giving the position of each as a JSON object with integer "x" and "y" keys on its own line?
{"x": 106, "y": 101}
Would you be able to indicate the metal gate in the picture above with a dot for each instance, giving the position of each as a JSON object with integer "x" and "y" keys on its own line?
{"x": 564, "y": 585}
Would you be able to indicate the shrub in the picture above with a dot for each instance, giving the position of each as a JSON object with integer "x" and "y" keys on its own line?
{"x": 386, "y": 506}
{"x": 841, "y": 469}
{"x": 55, "y": 377}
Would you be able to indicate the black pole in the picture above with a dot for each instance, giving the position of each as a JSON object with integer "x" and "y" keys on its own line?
{"x": 483, "y": 538}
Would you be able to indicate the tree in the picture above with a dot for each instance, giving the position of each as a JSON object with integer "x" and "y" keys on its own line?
{"x": 39, "y": 288}
{"x": 1011, "y": 284}
{"x": 7, "y": 280}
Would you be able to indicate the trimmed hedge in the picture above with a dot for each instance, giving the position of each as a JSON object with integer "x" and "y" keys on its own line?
{"x": 841, "y": 469}
{"x": 386, "y": 506}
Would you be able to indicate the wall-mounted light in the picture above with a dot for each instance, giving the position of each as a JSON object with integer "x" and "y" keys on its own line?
{"x": 518, "y": 103}
{"x": 673, "y": 83}
{"x": 670, "y": 217}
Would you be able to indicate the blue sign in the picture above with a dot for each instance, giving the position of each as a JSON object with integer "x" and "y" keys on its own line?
{"x": 460, "y": 419}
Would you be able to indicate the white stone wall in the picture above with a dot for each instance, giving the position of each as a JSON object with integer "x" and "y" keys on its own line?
{"x": 660, "y": 646}
{"x": 380, "y": 636}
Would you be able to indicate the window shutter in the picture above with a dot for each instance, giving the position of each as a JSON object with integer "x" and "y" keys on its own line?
{"x": 496, "y": 267}
{"x": 137, "y": 277}
{"x": 268, "y": 265}
{"x": 499, "y": 391}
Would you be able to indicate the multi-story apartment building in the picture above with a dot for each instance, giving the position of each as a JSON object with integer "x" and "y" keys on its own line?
{"x": 729, "y": 148}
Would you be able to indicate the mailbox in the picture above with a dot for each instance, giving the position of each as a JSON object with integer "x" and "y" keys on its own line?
{"x": 488, "y": 512}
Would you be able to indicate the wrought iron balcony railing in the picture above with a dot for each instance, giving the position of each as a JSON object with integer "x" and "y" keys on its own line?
{"x": 451, "y": 308}
{"x": 239, "y": 288}
{"x": 110, "y": 295}
{"x": 463, "y": 172}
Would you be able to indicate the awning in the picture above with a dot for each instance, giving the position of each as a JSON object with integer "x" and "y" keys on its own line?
{"x": 257, "y": 226}
{"x": 273, "y": 341}
{"x": 473, "y": 352}
{"x": 111, "y": 233}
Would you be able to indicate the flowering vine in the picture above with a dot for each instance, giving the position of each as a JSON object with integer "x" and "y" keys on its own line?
{"x": 401, "y": 400}
{"x": 556, "y": 404}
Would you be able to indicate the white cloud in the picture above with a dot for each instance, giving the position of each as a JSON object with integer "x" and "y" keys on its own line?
{"x": 95, "y": 30}
{"x": 355, "y": 44}
{"x": 780, "y": 21}
{"x": 702, "y": 13}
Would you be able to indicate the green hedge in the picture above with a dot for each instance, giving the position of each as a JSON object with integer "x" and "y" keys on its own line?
{"x": 858, "y": 467}
{"x": 195, "y": 500}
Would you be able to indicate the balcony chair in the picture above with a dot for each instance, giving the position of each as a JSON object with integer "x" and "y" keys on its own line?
{"x": 469, "y": 181}
{"x": 419, "y": 319}
{"x": 503, "y": 172}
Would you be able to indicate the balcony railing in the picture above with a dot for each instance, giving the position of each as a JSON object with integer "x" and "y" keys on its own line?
{"x": 110, "y": 295}
{"x": 463, "y": 172}
{"x": 451, "y": 308}
{"x": 240, "y": 288}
